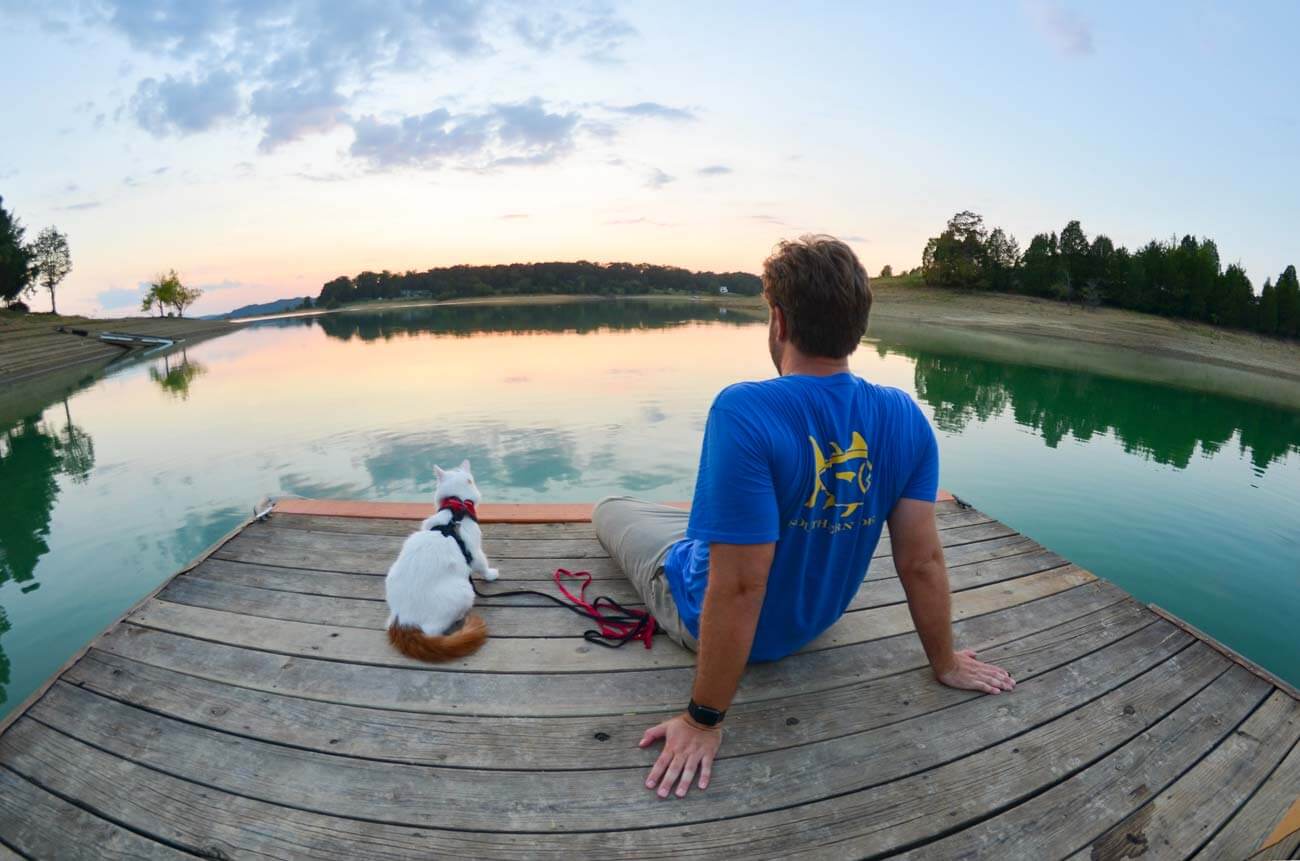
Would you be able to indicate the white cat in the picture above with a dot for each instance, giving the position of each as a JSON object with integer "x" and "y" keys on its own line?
{"x": 428, "y": 588}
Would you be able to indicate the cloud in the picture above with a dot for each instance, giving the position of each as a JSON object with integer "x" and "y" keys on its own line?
{"x": 641, "y": 220}
{"x": 291, "y": 112}
{"x": 185, "y": 105}
{"x": 505, "y": 134}
{"x": 121, "y": 297}
{"x": 853, "y": 237}
{"x": 599, "y": 35}
{"x": 767, "y": 219}
{"x": 74, "y": 207}
{"x": 714, "y": 170}
{"x": 658, "y": 179}
{"x": 654, "y": 110}
{"x": 513, "y": 216}
{"x": 529, "y": 126}
{"x": 1067, "y": 30}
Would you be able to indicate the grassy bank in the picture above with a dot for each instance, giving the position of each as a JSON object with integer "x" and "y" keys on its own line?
{"x": 31, "y": 345}
{"x": 1030, "y": 319}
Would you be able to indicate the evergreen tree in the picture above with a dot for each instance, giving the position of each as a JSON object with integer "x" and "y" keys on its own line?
{"x": 1074, "y": 249}
{"x": 1268, "y": 309}
{"x": 16, "y": 269}
{"x": 1288, "y": 303}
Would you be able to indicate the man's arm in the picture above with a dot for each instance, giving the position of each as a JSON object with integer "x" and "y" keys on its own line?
{"x": 732, "y": 602}
{"x": 918, "y": 557}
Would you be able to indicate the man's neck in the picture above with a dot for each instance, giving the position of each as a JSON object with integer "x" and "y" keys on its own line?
{"x": 794, "y": 362}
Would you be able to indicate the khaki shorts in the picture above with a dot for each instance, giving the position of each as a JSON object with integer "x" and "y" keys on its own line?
{"x": 638, "y": 535}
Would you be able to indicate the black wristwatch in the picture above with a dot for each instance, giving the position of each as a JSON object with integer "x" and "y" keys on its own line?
{"x": 703, "y": 715}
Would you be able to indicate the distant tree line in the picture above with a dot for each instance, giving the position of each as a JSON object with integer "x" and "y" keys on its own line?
{"x": 522, "y": 279}
{"x": 1171, "y": 278}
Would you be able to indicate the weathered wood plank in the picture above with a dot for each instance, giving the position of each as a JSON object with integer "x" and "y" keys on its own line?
{"x": 206, "y": 816}
{"x": 883, "y": 568}
{"x": 1187, "y": 813}
{"x": 601, "y": 568}
{"x": 41, "y": 825}
{"x": 393, "y": 526}
{"x": 1256, "y": 819}
{"x": 363, "y": 550}
{"x": 373, "y": 554}
{"x": 948, "y": 515}
{"x": 570, "y": 693}
{"x": 544, "y": 620}
{"x": 1056, "y": 821}
{"x": 1288, "y": 847}
{"x": 876, "y": 589}
{"x": 356, "y": 645}
{"x": 243, "y": 593}
{"x": 957, "y": 536}
{"x": 513, "y": 800}
{"x": 610, "y": 740}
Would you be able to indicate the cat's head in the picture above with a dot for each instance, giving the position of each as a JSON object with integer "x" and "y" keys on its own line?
{"x": 458, "y": 482}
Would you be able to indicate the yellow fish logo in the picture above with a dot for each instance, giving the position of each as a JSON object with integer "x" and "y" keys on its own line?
{"x": 842, "y": 465}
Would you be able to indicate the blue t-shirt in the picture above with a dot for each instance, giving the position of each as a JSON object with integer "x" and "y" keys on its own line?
{"x": 815, "y": 464}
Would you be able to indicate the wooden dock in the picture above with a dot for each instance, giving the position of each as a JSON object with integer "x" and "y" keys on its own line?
{"x": 253, "y": 708}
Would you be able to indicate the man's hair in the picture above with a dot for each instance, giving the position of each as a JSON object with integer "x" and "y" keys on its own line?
{"x": 822, "y": 289}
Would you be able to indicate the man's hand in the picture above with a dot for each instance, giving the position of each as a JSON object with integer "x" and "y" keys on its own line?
{"x": 688, "y": 748}
{"x": 968, "y": 674}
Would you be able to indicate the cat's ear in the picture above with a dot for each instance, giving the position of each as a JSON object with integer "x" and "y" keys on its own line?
{"x": 438, "y": 471}
{"x": 464, "y": 465}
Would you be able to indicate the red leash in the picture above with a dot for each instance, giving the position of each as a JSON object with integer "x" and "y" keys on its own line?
{"x": 628, "y": 623}
{"x": 618, "y": 625}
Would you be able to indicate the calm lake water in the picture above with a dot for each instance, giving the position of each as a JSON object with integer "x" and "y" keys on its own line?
{"x": 1186, "y": 499}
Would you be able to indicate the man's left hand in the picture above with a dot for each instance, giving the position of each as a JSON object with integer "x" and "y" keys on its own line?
{"x": 688, "y": 748}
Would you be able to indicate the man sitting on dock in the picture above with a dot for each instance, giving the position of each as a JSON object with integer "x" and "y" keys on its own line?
{"x": 798, "y": 475}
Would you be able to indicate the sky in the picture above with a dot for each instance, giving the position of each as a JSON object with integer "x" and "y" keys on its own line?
{"x": 263, "y": 147}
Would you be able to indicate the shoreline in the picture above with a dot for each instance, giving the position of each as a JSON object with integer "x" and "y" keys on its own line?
{"x": 31, "y": 348}
{"x": 1009, "y": 328}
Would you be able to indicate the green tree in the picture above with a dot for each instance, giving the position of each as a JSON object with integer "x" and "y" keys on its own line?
{"x": 1002, "y": 258}
{"x": 1233, "y": 303}
{"x": 957, "y": 257}
{"x": 1268, "y": 309}
{"x": 1073, "y": 248}
{"x": 1042, "y": 268}
{"x": 1288, "y": 303}
{"x": 16, "y": 270}
{"x": 167, "y": 291}
{"x": 887, "y": 271}
{"x": 53, "y": 260}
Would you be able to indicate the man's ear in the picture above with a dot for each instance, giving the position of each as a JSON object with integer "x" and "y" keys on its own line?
{"x": 779, "y": 322}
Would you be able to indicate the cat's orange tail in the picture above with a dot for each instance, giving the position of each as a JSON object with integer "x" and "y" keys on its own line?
{"x": 414, "y": 643}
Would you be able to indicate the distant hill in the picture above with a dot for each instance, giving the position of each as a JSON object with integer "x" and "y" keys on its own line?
{"x": 257, "y": 310}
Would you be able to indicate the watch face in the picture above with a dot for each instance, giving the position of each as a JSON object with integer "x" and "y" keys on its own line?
{"x": 704, "y": 715}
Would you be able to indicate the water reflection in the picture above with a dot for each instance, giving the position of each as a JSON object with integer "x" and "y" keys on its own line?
{"x": 1163, "y": 424}
{"x": 31, "y": 458}
{"x": 518, "y": 319}
{"x": 175, "y": 377}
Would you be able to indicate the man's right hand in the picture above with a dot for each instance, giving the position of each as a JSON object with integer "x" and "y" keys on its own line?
{"x": 967, "y": 674}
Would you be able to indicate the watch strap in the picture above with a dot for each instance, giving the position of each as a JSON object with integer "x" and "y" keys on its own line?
{"x": 703, "y": 715}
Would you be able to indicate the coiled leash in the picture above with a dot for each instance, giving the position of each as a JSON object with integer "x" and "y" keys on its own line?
{"x": 616, "y": 625}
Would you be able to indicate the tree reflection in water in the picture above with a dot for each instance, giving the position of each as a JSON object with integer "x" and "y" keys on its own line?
{"x": 32, "y": 456}
{"x": 1158, "y": 422}
{"x": 175, "y": 377}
